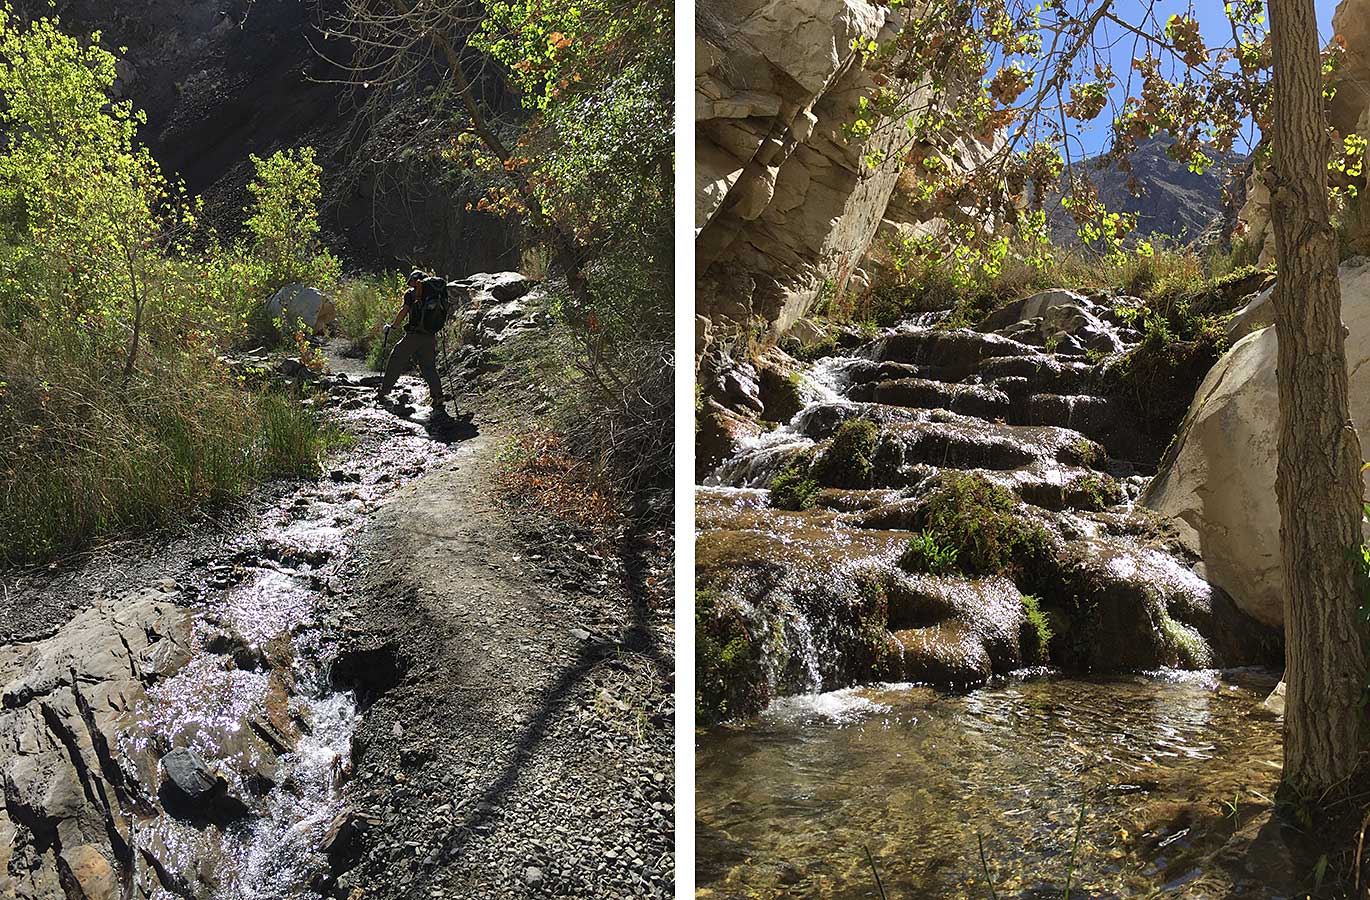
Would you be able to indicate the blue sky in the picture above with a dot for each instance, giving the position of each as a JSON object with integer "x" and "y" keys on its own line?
{"x": 1216, "y": 31}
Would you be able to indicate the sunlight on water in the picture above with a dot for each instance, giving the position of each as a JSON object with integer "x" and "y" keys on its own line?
{"x": 786, "y": 803}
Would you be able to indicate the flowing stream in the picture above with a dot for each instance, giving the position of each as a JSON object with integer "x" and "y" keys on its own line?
{"x": 1164, "y": 763}
{"x": 254, "y": 605}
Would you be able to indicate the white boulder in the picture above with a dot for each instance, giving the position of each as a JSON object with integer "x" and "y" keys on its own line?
{"x": 1216, "y": 485}
{"x": 306, "y": 305}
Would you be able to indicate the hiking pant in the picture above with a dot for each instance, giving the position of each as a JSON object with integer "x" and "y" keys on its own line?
{"x": 414, "y": 346}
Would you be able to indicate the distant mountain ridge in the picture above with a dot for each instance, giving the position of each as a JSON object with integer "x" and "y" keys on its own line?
{"x": 1173, "y": 201}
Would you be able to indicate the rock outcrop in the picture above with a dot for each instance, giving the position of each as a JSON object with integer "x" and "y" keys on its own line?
{"x": 123, "y": 767}
{"x": 785, "y": 203}
{"x": 226, "y": 78}
{"x": 829, "y": 551}
{"x": 1217, "y": 482}
{"x": 70, "y": 793}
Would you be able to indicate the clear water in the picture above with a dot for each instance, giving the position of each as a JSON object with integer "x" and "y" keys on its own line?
{"x": 786, "y": 803}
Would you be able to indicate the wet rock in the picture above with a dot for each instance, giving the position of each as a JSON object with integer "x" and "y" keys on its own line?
{"x": 244, "y": 655}
{"x": 721, "y": 434}
{"x": 955, "y": 354}
{"x": 780, "y": 388}
{"x": 190, "y": 774}
{"x": 343, "y": 843}
{"x": 919, "y": 393}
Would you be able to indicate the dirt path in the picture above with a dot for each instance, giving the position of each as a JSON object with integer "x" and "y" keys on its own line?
{"x": 527, "y": 747}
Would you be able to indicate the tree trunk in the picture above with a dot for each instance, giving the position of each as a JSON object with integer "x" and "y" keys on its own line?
{"x": 1318, "y": 475}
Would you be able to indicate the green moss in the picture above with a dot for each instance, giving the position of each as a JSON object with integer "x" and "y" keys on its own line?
{"x": 1157, "y": 379}
{"x": 1036, "y": 635}
{"x": 924, "y": 554}
{"x": 848, "y": 460}
{"x": 727, "y": 662}
{"x": 986, "y": 525}
{"x": 794, "y": 488}
{"x": 1095, "y": 492}
{"x": 1190, "y": 649}
{"x": 1087, "y": 453}
{"x": 882, "y": 657}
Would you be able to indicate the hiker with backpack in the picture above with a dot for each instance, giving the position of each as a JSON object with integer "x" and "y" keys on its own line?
{"x": 424, "y": 312}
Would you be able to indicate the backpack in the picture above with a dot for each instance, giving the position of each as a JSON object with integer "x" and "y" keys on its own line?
{"x": 431, "y": 314}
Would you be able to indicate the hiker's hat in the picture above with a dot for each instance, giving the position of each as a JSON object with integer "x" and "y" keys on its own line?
{"x": 417, "y": 275}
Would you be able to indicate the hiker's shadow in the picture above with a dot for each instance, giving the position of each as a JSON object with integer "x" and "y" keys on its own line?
{"x": 452, "y": 429}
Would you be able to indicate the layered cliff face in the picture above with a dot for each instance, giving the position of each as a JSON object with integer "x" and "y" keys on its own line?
{"x": 220, "y": 79}
{"x": 784, "y": 202}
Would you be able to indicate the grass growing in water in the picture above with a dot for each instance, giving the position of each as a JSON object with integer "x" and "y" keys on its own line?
{"x": 1037, "y": 634}
{"x": 925, "y": 554}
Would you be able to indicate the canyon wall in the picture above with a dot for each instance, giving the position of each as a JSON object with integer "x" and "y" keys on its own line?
{"x": 786, "y": 206}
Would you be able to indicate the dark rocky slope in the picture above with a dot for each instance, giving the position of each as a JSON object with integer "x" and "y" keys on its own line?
{"x": 226, "y": 78}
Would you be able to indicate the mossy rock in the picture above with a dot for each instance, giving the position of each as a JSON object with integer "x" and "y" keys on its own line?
{"x": 729, "y": 682}
{"x": 848, "y": 462}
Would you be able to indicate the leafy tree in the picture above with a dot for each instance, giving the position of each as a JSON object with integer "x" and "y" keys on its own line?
{"x": 88, "y": 215}
{"x": 586, "y": 164}
{"x": 284, "y": 217}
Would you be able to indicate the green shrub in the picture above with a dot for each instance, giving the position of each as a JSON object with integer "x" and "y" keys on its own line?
{"x": 848, "y": 460}
{"x": 365, "y": 307}
{"x": 1036, "y": 636}
{"x": 986, "y": 524}
{"x": 924, "y": 554}
{"x": 794, "y": 488}
{"x": 115, "y": 412}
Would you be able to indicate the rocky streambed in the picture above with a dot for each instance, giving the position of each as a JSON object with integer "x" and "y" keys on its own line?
{"x": 189, "y": 733}
{"x": 932, "y": 610}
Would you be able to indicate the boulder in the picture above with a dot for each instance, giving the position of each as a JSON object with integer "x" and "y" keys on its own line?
{"x": 190, "y": 774}
{"x": 1258, "y": 313}
{"x": 1059, "y": 318}
{"x": 1216, "y": 485}
{"x": 501, "y": 287}
{"x": 306, "y": 305}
